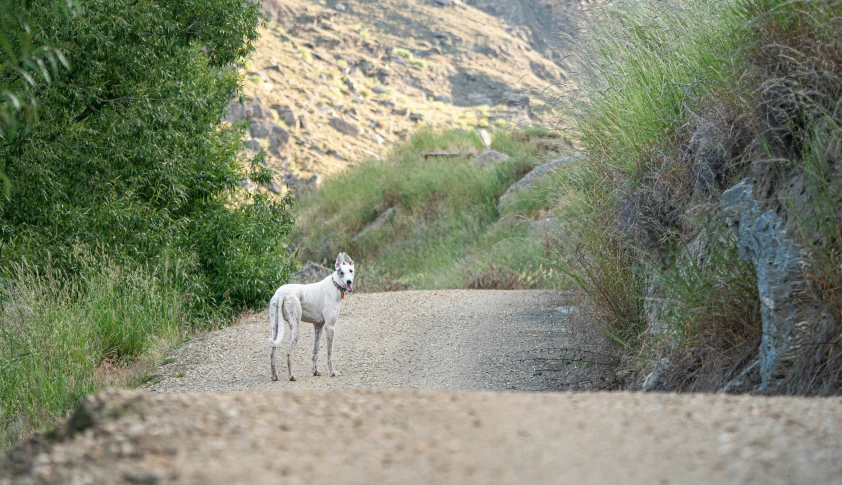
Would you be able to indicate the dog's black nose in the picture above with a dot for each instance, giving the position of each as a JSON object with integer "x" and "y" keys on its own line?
{"x": 349, "y": 282}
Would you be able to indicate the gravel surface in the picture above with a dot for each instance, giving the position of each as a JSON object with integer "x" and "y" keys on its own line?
{"x": 467, "y": 340}
{"x": 405, "y": 437}
{"x": 401, "y": 414}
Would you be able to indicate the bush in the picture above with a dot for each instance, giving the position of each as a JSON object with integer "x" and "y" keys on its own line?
{"x": 129, "y": 154}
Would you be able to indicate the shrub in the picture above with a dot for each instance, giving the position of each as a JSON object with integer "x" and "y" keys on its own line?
{"x": 129, "y": 154}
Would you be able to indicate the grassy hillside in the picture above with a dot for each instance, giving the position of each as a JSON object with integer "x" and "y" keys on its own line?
{"x": 444, "y": 230}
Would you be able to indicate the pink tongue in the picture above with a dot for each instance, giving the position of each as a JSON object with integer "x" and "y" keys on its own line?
{"x": 350, "y": 287}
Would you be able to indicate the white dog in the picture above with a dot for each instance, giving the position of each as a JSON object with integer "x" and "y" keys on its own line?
{"x": 316, "y": 303}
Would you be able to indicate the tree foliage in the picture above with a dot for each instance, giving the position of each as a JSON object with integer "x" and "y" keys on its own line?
{"x": 128, "y": 153}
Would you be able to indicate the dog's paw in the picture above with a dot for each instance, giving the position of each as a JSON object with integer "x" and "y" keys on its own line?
{"x": 274, "y": 378}
{"x": 335, "y": 374}
{"x": 292, "y": 378}
{"x": 316, "y": 373}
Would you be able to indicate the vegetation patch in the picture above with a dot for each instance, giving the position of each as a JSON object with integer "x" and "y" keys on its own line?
{"x": 442, "y": 228}
{"x": 122, "y": 222}
{"x": 679, "y": 103}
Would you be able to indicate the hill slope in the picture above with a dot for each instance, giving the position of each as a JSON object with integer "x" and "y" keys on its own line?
{"x": 336, "y": 83}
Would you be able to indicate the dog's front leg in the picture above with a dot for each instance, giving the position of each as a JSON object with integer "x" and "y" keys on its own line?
{"x": 318, "y": 334}
{"x": 329, "y": 331}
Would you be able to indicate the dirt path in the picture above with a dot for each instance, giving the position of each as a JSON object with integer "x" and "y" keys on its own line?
{"x": 467, "y": 340}
{"x": 400, "y": 412}
{"x": 408, "y": 437}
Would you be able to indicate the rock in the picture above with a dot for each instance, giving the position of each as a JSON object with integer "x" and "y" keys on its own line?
{"x": 278, "y": 140}
{"x": 444, "y": 3}
{"x": 286, "y": 115}
{"x": 345, "y": 127}
{"x": 376, "y": 138}
{"x": 782, "y": 286}
{"x": 256, "y": 111}
{"x": 416, "y": 117}
{"x": 340, "y": 7}
{"x": 485, "y": 137}
{"x": 380, "y": 90}
{"x": 253, "y": 145}
{"x": 275, "y": 188}
{"x": 310, "y": 273}
{"x": 654, "y": 303}
{"x": 236, "y": 112}
{"x": 516, "y": 99}
{"x": 479, "y": 99}
{"x": 350, "y": 84}
{"x": 489, "y": 157}
{"x": 528, "y": 180}
{"x": 442, "y": 99}
{"x": 400, "y": 112}
{"x": 656, "y": 381}
{"x": 262, "y": 129}
{"x": 384, "y": 76}
{"x": 382, "y": 219}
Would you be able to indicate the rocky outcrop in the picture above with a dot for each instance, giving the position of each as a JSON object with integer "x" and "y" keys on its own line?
{"x": 489, "y": 157}
{"x": 790, "y": 315}
{"x": 529, "y": 180}
{"x": 343, "y": 126}
{"x": 310, "y": 273}
{"x": 381, "y": 220}
{"x": 656, "y": 381}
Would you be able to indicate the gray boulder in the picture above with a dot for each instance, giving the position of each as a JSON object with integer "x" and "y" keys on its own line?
{"x": 236, "y": 112}
{"x": 310, "y": 273}
{"x": 490, "y": 157}
{"x": 790, "y": 319}
{"x": 262, "y": 129}
{"x": 656, "y": 381}
{"x": 479, "y": 99}
{"x": 381, "y": 220}
{"x": 286, "y": 115}
{"x": 344, "y": 127}
{"x": 528, "y": 181}
{"x": 278, "y": 142}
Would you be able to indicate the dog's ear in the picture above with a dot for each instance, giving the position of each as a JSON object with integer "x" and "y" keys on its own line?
{"x": 339, "y": 260}
{"x": 348, "y": 259}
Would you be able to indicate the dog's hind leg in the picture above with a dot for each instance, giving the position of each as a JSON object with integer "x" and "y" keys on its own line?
{"x": 276, "y": 331}
{"x": 291, "y": 308}
{"x": 318, "y": 334}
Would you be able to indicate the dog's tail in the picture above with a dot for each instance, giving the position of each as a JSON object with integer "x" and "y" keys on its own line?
{"x": 276, "y": 306}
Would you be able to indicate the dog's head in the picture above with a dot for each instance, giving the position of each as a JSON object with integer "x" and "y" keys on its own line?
{"x": 345, "y": 270}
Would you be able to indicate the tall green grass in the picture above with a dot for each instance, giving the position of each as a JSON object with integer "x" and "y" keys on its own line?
{"x": 678, "y": 99}
{"x": 445, "y": 229}
{"x": 63, "y": 335}
{"x": 646, "y": 69}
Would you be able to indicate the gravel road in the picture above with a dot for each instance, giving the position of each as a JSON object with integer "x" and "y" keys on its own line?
{"x": 466, "y": 340}
{"x": 425, "y": 397}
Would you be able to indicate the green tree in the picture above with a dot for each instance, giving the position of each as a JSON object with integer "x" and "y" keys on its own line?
{"x": 21, "y": 59}
{"x": 128, "y": 153}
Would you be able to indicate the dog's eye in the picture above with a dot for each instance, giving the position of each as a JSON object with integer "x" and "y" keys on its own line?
{"x": 351, "y": 271}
